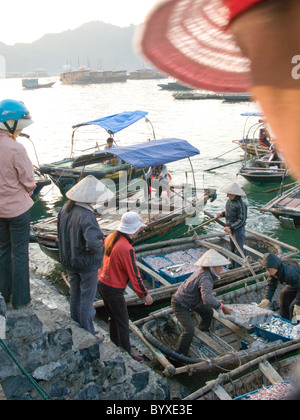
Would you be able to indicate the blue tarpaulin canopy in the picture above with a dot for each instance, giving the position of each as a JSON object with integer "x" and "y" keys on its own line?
{"x": 117, "y": 122}
{"x": 143, "y": 155}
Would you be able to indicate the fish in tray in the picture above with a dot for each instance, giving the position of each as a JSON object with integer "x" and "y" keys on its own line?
{"x": 246, "y": 315}
{"x": 282, "y": 327}
{"x": 272, "y": 393}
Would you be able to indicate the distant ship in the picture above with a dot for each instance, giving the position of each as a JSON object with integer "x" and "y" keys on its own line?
{"x": 87, "y": 76}
{"x": 146, "y": 74}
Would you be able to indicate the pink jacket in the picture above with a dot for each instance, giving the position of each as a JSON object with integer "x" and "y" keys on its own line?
{"x": 16, "y": 177}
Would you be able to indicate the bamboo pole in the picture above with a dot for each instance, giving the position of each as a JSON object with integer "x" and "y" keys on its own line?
{"x": 198, "y": 227}
{"x": 221, "y": 166}
{"x": 246, "y": 261}
{"x": 278, "y": 188}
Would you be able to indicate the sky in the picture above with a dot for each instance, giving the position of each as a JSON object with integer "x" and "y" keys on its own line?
{"x": 26, "y": 21}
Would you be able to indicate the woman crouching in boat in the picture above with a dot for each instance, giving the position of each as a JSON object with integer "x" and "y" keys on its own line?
{"x": 196, "y": 294}
{"x": 283, "y": 273}
{"x": 119, "y": 268}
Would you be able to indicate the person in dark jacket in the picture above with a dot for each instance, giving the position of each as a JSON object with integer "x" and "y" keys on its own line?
{"x": 196, "y": 294}
{"x": 236, "y": 218}
{"x": 283, "y": 273}
{"x": 81, "y": 247}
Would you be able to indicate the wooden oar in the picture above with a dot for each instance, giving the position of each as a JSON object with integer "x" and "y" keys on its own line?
{"x": 198, "y": 227}
{"x": 221, "y": 166}
{"x": 170, "y": 369}
{"x": 242, "y": 253}
{"x": 278, "y": 188}
{"x": 238, "y": 147}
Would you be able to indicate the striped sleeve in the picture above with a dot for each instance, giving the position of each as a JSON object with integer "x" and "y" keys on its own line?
{"x": 135, "y": 277}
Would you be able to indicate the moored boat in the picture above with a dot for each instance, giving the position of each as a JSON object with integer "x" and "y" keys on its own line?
{"x": 67, "y": 172}
{"x": 261, "y": 170}
{"x": 34, "y": 84}
{"x": 286, "y": 208}
{"x": 87, "y": 76}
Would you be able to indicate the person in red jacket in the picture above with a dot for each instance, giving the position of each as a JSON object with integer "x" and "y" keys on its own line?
{"x": 119, "y": 268}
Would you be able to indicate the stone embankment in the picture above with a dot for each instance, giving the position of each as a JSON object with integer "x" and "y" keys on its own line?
{"x": 67, "y": 362}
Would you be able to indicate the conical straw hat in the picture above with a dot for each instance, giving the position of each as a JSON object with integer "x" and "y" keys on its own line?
{"x": 234, "y": 189}
{"x": 212, "y": 259}
{"x": 89, "y": 190}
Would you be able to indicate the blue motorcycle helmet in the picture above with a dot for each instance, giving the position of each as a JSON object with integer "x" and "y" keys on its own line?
{"x": 14, "y": 115}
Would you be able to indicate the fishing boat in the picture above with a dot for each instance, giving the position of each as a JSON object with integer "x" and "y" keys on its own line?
{"x": 260, "y": 171}
{"x": 226, "y": 346}
{"x": 85, "y": 76}
{"x": 251, "y": 142}
{"x": 160, "y": 216}
{"x": 34, "y": 84}
{"x": 146, "y": 74}
{"x": 67, "y": 172}
{"x": 286, "y": 208}
{"x": 174, "y": 86}
{"x": 270, "y": 377}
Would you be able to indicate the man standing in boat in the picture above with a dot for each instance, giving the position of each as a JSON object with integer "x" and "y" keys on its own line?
{"x": 236, "y": 218}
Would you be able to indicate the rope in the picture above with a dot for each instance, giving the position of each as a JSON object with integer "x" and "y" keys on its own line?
{"x": 40, "y": 390}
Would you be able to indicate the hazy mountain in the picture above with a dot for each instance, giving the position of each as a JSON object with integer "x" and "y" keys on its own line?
{"x": 95, "y": 44}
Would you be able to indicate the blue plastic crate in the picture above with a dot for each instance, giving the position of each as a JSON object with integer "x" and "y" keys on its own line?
{"x": 245, "y": 396}
{"x": 176, "y": 278}
{"x": 270, "y": 336}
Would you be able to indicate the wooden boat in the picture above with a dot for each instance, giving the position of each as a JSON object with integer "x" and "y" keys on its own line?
{"x": 286, "y": 208}
{"x": 146, "y": 74}
{"x": 276, "y": 367}
{"x": 260, "y": 171}
{"x": 34, "y": 84}
{"x": 67, "y": 172}
{"x": 224, "y": 348}
{"x": 87, "y": 76}
{"x": 250, "y": 142}
{"x": 159, "y": 216}
{"x": 173, "y": 86}
{"x": 252, "y": 148}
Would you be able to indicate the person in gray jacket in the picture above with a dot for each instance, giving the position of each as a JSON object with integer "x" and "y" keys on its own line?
{"x": 236, "y": 218}
{"x": 196, "y": 294}
{"x": 81, "y": 247}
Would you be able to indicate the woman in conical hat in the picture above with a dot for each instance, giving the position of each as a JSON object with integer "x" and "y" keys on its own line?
{"x": 81, "y": 246}
{"x": 236, "y": 217}
{"x": 196, "y": 294}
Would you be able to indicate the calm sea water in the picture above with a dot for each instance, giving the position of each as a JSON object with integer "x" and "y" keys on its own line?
{"x": 209, "y": 125}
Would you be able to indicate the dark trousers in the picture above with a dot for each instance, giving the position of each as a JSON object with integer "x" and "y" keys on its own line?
{"x": 116, "y": 308}
{"x": 287, "y": 302}
{"x": 184, "y": 316}
{"x": 83, "y": 293}
{"x": 239, "y": 236}
{"x": 14, "y": 259}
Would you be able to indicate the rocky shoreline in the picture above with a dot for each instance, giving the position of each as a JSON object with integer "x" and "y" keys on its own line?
{"x": 65, "y": 360}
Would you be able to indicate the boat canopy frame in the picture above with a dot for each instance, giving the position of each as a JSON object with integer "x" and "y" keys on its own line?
{"x": 113, "y": 124}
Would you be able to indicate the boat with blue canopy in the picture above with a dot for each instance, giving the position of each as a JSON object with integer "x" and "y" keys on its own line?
{"x": 161, "y": 210}
{"x": 65, "y": 175}
{"x": 254, "y": 135}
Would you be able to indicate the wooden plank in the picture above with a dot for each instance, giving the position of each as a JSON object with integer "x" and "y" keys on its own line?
{"x": 235, "y": 328}
{"x": 267, "y": 369}
{"x": 221, "y": 393}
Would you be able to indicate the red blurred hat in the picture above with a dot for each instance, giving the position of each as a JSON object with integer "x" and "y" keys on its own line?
{"x": 190, "y": 40}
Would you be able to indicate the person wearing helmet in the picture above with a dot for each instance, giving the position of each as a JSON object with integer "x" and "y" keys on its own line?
{"x": 17, "y": 182}
{"x": 196, "y": 294}
{"x": 119, "y": 268}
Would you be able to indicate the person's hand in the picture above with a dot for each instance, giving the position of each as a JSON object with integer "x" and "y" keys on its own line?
{"x": 219, "y": 215}
{"x": 264, "y": 304}
{"x": 226, "y": 310}
{"x": 296, "y": 313}
{"x": 148, "y": 300}
{"x": 227, "y": 229}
